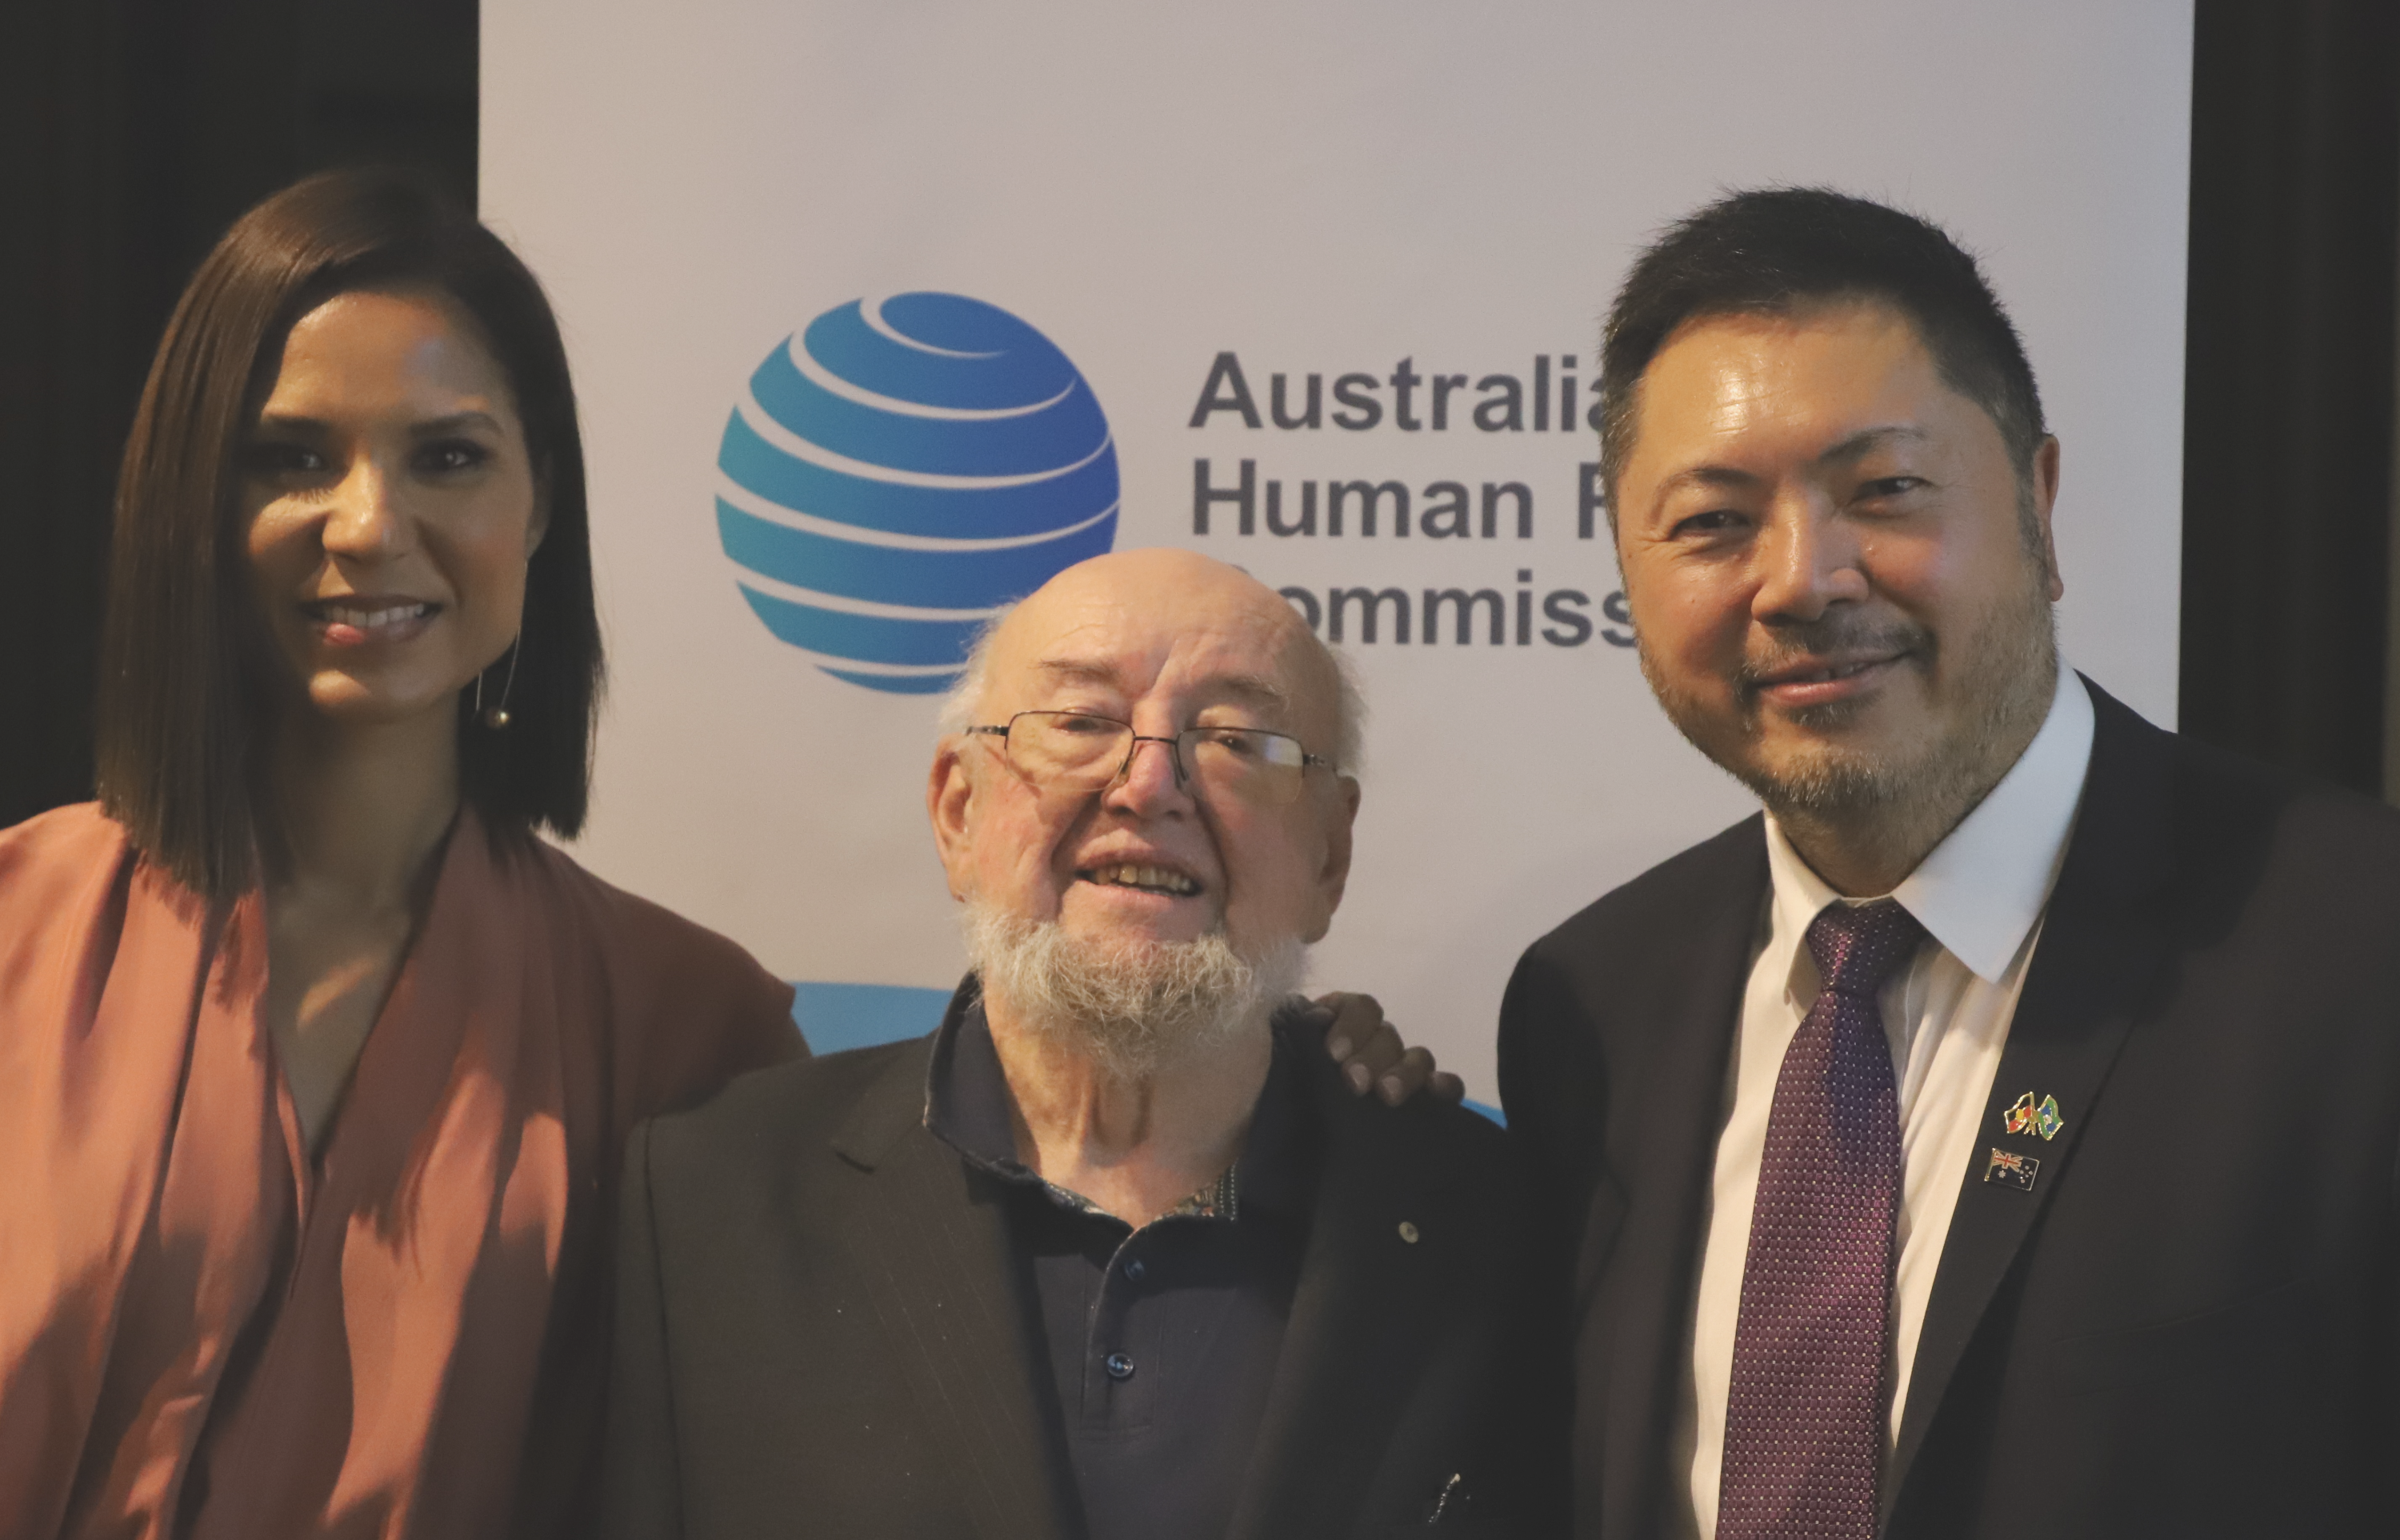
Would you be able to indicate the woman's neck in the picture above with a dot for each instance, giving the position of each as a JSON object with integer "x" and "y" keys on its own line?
{"x": 360, "y": 809}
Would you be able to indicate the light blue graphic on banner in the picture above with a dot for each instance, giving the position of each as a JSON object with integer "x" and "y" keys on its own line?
{"x": 899, "y": 472}
{"x": 835, "y": 1016}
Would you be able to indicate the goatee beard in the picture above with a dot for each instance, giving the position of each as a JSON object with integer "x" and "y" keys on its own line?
{"x": 2012, "y": 668}
{"x": 1130, "y": 1006}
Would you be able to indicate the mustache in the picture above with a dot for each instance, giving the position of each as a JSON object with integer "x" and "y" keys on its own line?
{"x": 1835, "y": 635}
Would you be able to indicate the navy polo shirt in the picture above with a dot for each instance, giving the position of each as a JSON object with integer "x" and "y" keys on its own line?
{"x": 1163, "y": 1339}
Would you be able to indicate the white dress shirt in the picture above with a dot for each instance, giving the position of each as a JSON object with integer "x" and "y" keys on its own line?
{"x": 1980, "y": 897}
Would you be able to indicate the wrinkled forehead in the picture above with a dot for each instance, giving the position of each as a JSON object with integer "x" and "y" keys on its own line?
{"x": 1183, "y": 653}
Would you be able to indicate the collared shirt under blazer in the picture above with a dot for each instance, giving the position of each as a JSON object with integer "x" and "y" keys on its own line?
{"x": 1979, "y": 895}
{"x": 2187, "y": 1324}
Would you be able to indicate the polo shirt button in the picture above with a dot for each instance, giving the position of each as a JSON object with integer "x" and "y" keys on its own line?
{"x": 1120, "y": 1366}
{"x": 1134, "y": 1269}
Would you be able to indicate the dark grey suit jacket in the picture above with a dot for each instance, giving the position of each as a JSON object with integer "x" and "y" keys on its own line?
{"x": 2186, "y": 1326}
{"x": 823, "y": 1330}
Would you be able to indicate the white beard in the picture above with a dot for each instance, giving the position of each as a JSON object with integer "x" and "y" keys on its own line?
{"x": 1128, "y": 1007}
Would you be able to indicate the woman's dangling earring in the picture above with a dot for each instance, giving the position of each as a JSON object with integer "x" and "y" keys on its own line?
{"x": 498, "y": 717}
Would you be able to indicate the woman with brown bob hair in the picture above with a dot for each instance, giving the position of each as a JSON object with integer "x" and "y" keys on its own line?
{"x": 316, "y": 1063}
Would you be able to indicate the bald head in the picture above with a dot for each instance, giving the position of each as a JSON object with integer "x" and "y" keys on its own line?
{"x": 1118, "y": 619}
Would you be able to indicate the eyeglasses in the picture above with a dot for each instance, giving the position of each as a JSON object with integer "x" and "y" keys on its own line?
{"x": 1075, "y": 751}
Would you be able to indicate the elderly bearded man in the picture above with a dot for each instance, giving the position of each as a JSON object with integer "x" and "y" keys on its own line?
{"x": 1110, "y": 1254}
{"x": 1998, "y": 1136}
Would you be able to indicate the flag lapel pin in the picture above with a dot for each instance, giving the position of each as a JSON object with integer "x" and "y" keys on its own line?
{"x": 2026, "y": 1116}
{"x": 2011, "y": 1170}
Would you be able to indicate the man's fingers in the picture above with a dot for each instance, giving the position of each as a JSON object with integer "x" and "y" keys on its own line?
{"x": 1374, "y": 1058}
{"x": 1382, "y": 1050}
{"x": 1406, "y": 1078}
{"x": 1357, "y": 1020}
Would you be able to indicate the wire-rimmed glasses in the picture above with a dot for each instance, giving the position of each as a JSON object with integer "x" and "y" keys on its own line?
{"x": 1076, "y": 751}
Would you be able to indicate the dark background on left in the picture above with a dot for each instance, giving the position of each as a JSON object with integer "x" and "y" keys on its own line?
{"x": 131, "y": 131}
{"x": 130, "y": 135}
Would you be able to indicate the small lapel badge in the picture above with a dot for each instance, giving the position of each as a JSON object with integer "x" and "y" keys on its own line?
{"x": 2027, "y": 1118}
{"x": 2017, "y": 1171}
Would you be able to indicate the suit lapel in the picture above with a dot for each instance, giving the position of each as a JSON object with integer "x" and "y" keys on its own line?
{"x": 2102, "y": 937}
{"x": 1640, "y": 1311}
{"x": 955, "y": 1305}
{"x": 1363, "y": 1319}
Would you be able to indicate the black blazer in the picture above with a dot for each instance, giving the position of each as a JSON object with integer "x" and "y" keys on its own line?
{"x": 823, "y": 1330}
{"x": 2185, "y": 1325}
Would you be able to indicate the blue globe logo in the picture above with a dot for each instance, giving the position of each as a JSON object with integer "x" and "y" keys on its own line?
{"x": 901, "y": 471}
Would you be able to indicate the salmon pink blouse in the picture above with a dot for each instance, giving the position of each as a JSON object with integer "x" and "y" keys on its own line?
{"x": 202, "y": 1331}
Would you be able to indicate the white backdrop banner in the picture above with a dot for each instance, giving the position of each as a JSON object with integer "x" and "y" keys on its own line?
{"x": 883, "y": 313}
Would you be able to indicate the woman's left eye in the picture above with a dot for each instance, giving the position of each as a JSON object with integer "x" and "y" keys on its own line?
{"x": 451, "y": 454}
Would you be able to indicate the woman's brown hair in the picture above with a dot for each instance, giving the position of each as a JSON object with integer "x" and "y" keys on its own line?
{"x": 185, "y": 701}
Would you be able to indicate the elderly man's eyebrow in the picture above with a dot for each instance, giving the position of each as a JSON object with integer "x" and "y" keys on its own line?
{"x": 1253, "y": 690}
{"x": 1073, "y": 671}
{"x": 1248, "y": 689}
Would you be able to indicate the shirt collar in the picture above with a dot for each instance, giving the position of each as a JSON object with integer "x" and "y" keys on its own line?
{"x": 966, "y": 1092}
{"x": 1983, "y": 888}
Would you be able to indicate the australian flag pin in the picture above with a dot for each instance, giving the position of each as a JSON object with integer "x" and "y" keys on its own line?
{"x": 2016, "y": 1171}
{"x": 2027, "y": 1118}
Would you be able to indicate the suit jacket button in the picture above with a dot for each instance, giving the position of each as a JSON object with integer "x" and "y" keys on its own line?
{"x": 1409, "y": 1232}
{"x": 1119, "y": 1365}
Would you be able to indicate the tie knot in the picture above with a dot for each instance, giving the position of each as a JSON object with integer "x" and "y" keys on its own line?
{"x": 1859, "y": 946}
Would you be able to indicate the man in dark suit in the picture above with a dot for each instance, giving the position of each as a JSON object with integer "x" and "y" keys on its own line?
{"x": 1115, "y": 1252}
{"x": 1997, "y": 1137}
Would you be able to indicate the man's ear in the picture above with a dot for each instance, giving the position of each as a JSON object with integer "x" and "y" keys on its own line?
{"x": 2045, "y": 496}
{"x": 1341, "y": 813}
{"x": 949, "y": 796}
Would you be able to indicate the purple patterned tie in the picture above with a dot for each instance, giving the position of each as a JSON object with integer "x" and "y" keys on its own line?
{"x": 1805, "y": 1416}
